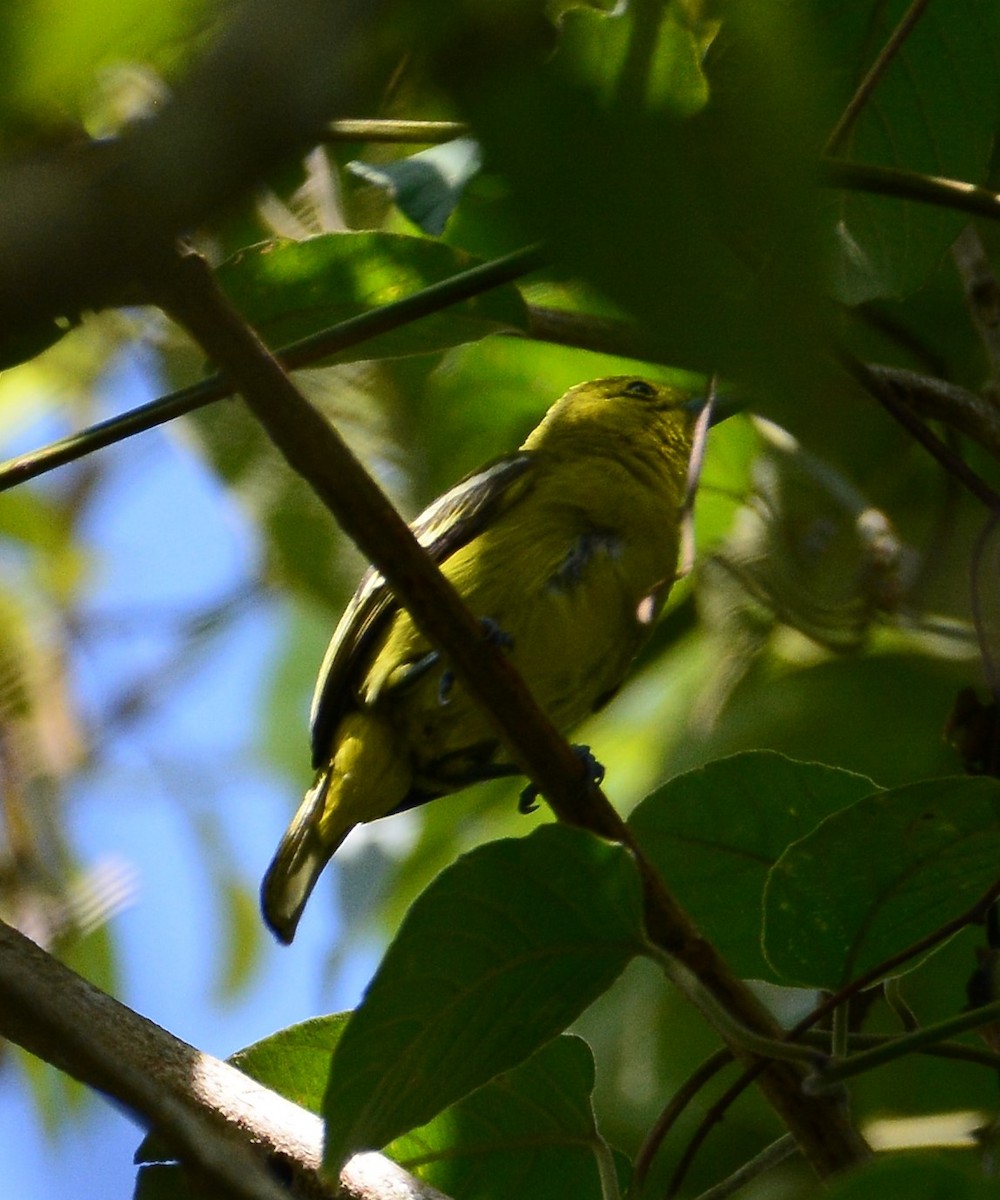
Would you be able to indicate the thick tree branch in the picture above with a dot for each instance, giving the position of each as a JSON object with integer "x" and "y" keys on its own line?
{"x": 314, "y": 449}
{"x": 224, "y": 1126}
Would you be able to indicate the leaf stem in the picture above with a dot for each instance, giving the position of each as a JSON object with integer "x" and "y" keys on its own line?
{"x": 834, "y": 1073}
{"x": 605, "y": 1159}
{"x": 770, "y": 1157}
{"x": 675, "y": 1107}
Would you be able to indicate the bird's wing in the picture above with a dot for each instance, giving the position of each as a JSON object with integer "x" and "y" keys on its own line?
{"x": 452, "y": 521}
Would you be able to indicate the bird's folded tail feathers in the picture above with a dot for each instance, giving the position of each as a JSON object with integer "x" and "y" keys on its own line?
{"x": 297, "y": 864}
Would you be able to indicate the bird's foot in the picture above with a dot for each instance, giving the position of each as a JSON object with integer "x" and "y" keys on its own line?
{"x": 595, "y": 775}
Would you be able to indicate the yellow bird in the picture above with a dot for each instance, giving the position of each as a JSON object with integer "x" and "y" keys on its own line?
{"x": 566, "y": 550}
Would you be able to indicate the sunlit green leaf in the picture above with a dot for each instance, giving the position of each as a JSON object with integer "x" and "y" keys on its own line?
{"x": 289, "y": 290}
{"x": 295, "y": 1062}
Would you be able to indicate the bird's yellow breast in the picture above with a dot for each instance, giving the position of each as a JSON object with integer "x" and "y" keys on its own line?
{"x": 586, "y": 550}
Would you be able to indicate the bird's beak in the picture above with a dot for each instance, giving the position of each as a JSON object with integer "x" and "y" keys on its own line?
{"x": 724, "y": 405}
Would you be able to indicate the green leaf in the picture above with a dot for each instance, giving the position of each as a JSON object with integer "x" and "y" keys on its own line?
{"x": 496, "y": 957}
{"x": 934, "y": 110}
{"x": 426, "y": 186}
{"x": 917, "y": 1176}
{"x": 878, "y": 876}
{"x": 288, "y": 290}
{"x": 714, "y": 834}
{"x": 243, "y": 937}
{"x": 295, "y": 1062}
{"x": 529, "y": 1133}
{"x": 161, "y": 1181}
{"x": 697, "y": 219}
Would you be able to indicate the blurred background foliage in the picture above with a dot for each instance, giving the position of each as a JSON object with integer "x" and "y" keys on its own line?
{"x": 667, "y": 155}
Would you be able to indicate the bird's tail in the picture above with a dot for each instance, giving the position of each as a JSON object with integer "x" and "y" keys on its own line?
{"x": 297, "y": 863}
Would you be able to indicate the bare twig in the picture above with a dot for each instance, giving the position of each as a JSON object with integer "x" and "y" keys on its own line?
{"x": 975, "y": 913}
{"x": 380, "y": 130}
{"x": 935, "y": 399}
{"x": 218, "y": 1121}
{"x": 317, "y": 346}
{"x": 188, "y": 292}
{"x": 873, "y": 76}
{"x": 675, "y": 1107}
{"x": 912, "y": 185}
{"x": 835, "y": 1073}
{"x": 606, "y": 335}
{"x": 770, "y": 1157}
{"x": 715, "y": 1114}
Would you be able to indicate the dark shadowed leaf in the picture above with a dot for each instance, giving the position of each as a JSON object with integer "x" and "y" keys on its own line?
{"x": 530, "y": 1133}
{"x": 715, "y": 833}
{"x": 498, "y": 955}
{"x": 878, "y": 876}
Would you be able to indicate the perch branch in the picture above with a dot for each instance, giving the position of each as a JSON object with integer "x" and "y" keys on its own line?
{"x": 312, "y": 447}
{"x": 314, "y": 348}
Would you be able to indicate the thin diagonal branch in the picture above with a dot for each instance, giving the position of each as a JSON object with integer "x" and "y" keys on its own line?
{"x": 352, "y": 332}
{"x": 189, "y": 294}
{"x": 873, "y": 76}
{"x": 882, "y": 389}
{"x": 911, "y": 185}
{"x": 363, "y": 129}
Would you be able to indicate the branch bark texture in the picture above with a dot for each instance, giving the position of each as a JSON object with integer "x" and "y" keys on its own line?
{"x": 314, "y": 449}
{"x": 228, "y": 1129}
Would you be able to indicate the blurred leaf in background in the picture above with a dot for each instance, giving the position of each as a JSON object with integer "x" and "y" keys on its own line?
{"x": 668, "y": 154}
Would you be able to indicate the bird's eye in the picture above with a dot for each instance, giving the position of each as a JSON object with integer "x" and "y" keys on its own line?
{"x": 639, "y": 387}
